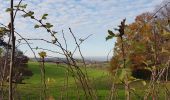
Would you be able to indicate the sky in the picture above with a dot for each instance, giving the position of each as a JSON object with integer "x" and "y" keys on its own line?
{"x": 84, "y": 17}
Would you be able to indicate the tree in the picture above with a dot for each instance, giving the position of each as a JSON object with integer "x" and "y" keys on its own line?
{"x": 20, "y": 62}
{"x": 139, "y": 44}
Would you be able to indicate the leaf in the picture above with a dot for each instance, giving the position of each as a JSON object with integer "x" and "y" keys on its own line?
{"x": 109, "y": 37}
{"x": 111, "y": 33}
{"x": 44, "y": 16}
{"x": 21, "y": 6}
{"x": 124, "y": 72}
{"x": 36, "y": 48}
{"x": 24, "y": 6}
{"x": 36, "y": 26}
{"x": 42, "y": 54}
{"x": 3, "y": 31}
{"x": 8, "y": 9}
{"x": 48, "y": 25}
{"x": 29, "y": 14}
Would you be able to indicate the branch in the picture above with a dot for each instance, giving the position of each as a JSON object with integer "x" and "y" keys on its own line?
{"x": 17, "y": 8}
{"x": 49, "y": 50}
{"x": 81, "y": 41}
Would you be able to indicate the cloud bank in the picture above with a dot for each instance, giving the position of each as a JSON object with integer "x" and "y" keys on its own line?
{"x": 83, "y": 16}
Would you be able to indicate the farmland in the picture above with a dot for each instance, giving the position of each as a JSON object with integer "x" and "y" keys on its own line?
{"x": 55, "y": 77}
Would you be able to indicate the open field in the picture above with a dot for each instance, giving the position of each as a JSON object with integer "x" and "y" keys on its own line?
{"x": 55, "y": 78}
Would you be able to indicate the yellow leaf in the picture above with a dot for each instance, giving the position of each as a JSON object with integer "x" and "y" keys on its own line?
{"x": 42, "y": 54}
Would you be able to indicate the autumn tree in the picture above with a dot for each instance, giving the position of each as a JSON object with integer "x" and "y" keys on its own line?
{"x": 140, "y": 44}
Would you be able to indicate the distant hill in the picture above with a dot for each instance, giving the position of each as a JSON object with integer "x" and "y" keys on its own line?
{"x": 98, "y": 59}
{"x": 61, "y": 60}
{"x": 54, "y": 59}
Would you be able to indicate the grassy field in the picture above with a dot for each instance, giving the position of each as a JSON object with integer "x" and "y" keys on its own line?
{"x": 56, "y": 76}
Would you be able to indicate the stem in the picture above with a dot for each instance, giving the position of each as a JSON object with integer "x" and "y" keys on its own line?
{"x": 44, "y": 83}
{"x": 127, "y": 93}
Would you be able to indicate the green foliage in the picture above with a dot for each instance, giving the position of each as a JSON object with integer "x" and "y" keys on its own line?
{"x": 20, "y": 69}
{"x": 48, "y": 25}
{"x": 21, "y": 6}
{"x": 36, "y": 48}
{"x": 9, "y": 9}
{"x": 110, "y": 36}
{"x": 3, "y": 31}
{"x": 124, "y": 72}
{"x": 29, "y": 14}
{"x": 111, "y": 33}
{"x": 36, "y": 26}
{"x": 44, "y": 16}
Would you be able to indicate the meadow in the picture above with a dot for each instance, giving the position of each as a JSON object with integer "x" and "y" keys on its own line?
{"x": 56, "y": 76}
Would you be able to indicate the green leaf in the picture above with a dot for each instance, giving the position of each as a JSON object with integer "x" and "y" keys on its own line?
{"x": 111, "y": 33}
{"x": 3, "y": 31}
{"x": 21, "y": 6}
{"x": 29, "y": 14}
{"x": 109, "y": 37}
{"x": 44, "y": 16}
{"x": 24, "y": 6}
{"x": 8, "y": 9}
{"x": 36, "y": 48}
{"x": 124, "y": 72}
{"x": 36, "y": 26}
{"x": 48, "y": 25}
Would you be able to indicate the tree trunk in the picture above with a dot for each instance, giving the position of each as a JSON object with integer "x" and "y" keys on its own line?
{"x": 12, "y": 52}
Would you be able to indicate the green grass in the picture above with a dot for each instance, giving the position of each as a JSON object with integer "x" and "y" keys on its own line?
{"x": 56, "y": 74}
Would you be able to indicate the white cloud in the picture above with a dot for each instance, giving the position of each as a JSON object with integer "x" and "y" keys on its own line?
{"x": 84, "y": 16}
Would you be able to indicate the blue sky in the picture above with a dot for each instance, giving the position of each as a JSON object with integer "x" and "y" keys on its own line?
{"x": 83, "y": 16}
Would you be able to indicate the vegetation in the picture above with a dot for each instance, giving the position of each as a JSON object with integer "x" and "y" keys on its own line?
{"x": 55, "y": 79}
{"x": 21, "y": 70}
{"x": 140, "y": 60}
{"x": 142, "y": 51}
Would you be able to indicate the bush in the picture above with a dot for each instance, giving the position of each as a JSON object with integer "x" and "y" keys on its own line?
{"x": 20, "y": 70}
